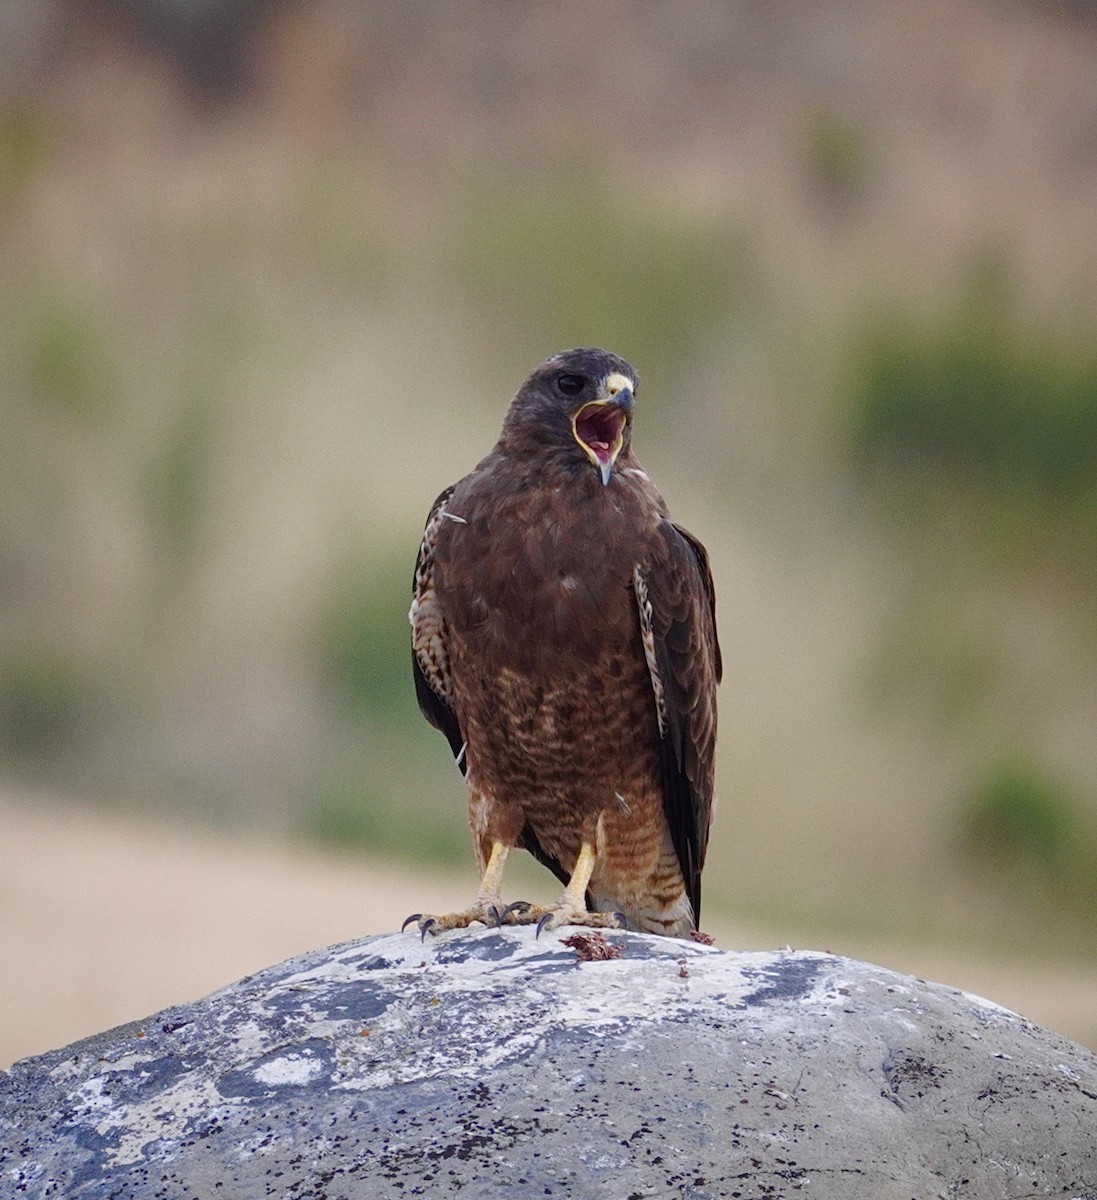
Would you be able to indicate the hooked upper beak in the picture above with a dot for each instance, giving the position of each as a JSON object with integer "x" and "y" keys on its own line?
{"x": 599, "y": 425}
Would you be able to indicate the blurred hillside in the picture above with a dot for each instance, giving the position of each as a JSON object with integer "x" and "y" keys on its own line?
{"x": 269, "y": 273}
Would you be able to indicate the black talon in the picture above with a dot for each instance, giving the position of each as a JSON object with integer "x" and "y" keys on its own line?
{"x": 544, "y": 923}
{"x": 516, "y": 906}
{"x": 497, "y": 915}
{"x": 413, "y": 917}
{"x": 622, "y": 920}
{"x": 426, "y": 927}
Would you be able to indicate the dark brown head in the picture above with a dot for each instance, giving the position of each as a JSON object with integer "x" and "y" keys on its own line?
{"x": 575, "y": 410}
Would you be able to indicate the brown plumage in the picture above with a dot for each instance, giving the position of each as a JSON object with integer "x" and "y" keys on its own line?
{"x": 564, "y": 641}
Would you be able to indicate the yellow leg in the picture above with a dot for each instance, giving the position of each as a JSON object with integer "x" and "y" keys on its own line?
{"x": 487, "y": 908}
{"x": 571, "y": 907}
{"x": 491, "y": 883}
{"x": 576, "y": 892}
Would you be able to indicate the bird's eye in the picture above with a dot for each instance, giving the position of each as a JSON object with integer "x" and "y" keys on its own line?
{"x": 570, "y": 385}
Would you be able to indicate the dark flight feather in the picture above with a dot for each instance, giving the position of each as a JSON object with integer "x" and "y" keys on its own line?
{"x": 688, "y": 664}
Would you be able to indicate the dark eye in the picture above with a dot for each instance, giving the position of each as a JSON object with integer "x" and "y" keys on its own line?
{"x": 570, "y": 385}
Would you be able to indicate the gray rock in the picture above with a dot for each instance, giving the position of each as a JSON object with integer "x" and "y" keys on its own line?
{"x": 494, "y": 1065}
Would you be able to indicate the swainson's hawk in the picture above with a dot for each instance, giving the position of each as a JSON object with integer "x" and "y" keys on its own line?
{"x": 564, "y": 641}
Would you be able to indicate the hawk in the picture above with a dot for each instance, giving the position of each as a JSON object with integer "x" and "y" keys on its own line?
{"x": 564, "y": 641}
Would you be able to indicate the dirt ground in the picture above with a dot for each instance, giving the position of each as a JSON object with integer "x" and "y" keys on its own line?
{"x": 106, "y": 918}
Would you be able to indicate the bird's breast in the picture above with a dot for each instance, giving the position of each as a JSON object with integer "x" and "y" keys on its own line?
{"x": 539, "y": 582}
{"x": 550, "y": 679}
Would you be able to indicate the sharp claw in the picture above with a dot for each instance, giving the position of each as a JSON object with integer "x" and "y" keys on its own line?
{"x": 413, "y": 917}
{"x": 496, "y": 915}
{"x": 622, "y": 920}
{"x": 544, "y": 923}
{"x": 517, "y": 906}
{"x": 425, "y": 928}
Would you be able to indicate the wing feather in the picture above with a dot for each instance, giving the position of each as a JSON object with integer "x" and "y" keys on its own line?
{"x": 429, "y": 639}
{"x": 677, "y": 601}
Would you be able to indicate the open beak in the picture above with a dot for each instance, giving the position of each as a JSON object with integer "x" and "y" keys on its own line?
{"x": 599, "y": 425}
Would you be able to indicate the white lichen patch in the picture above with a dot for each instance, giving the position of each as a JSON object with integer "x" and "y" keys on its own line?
{"x": 291, "y": 1070}
{"x": 93, "y": 1095}
{"x": 249, "y": 1040}
{"x": 446, "y": 1023}
{"x": 166, "y": 1118}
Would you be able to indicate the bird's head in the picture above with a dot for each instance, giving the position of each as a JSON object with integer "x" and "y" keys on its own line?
{"x": 577, "y": 408}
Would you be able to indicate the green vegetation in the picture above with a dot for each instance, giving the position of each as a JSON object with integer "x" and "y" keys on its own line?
{"x": 980, "y": 428}
{"x": 1020, "y": 822}
{"x": 177, "y": 479}
{"x": 1033, "y": 846}
{"x": 369, "y": 814}
{"x": 44, "y": 705}
{"x": 837, "y": 161}
{"x": 69, "y": 358}
{"x": 981, "y": 397}
{"x": 366, "y": 643}
{"x": 382, "y": 752}
{"x": 26, "y": 139}
{"x": 938, "y": 658}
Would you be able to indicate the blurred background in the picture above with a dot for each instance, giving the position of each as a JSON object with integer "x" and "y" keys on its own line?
{"x": 270, "y": 271}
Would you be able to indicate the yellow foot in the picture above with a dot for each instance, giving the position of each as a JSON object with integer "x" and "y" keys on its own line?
{"x": 486, "y": 908}
{"x": 485, "y": 913}
{"x": 563, "y": 912}
{"x": 570, "y": 908}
